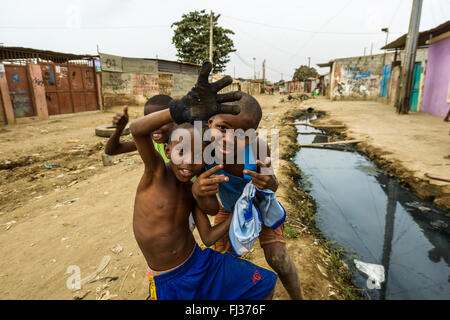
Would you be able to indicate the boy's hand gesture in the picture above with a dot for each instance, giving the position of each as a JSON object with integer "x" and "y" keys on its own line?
{"x": 266, "y": 179}
{"x": 120, "y": 120}
{"x": 202, "y": 101}
{"x": 207, "y": 184}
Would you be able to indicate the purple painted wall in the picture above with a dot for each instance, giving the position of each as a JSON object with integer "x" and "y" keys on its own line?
{"x": 437, "y": 79}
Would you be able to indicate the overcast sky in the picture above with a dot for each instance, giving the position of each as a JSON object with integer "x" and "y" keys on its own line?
{"x": 285, "y": 33}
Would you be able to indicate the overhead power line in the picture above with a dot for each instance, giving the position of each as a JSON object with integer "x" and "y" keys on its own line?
{"x": 304, "y": 30}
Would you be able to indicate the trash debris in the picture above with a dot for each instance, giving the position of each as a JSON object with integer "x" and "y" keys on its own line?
{"x": 105, "y": 261}
{"x": 439, "y": 224}
{"x": 374, "y": 272}
{"x": 316, "y": 243}
{"x": 73, "y": 140}
{"x": 117, "y": 249}
{"x": 106, "y": 296}
{"x": 48, "y": 166}
{"x": 60, "y": 176}
{"x": 81, "y": 296}
{"x": 91, "y": 168}
{"x": 72, "y": 183}
{"x": 66, "y": 202}
{"x": 424, "y": 208}
{"x": 9, "y": 224}
{"x": 107, "y": 160}
{"x": 3, "y": 275}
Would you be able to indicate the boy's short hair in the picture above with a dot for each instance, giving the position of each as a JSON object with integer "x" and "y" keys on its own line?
{"x": 157, "y": 103}
{"x": 250, "y": 108}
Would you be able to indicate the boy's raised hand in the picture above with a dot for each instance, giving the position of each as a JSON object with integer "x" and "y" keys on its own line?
{"x": 202, "y": 101}
{"x": 266, "y": 179}
{"x": 120, "y": 120}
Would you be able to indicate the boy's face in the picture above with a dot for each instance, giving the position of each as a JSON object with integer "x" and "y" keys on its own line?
{"x": 231, "y": 139}
{"x": 181, "y": 154}
{"x": 162, "y": 134}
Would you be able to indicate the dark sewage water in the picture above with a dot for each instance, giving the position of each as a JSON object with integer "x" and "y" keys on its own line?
{"x": 376, "y": 220}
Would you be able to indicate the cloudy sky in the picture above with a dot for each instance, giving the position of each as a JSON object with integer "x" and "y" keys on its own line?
{"x": 284, "y": 33}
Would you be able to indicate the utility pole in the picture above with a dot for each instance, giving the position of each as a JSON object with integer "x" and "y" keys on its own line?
{"x": 211, "y": 37}
{"x": 365, "y": 51}
{"x": 409, "y": 58}
{"x": 264, "y": 75}
{"x": 254, "y": 68}
{"x": 309, "y": 62}
{"x": 371, "y": 48}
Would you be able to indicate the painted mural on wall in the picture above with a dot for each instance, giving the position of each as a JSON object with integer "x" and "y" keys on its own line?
{"x": 355, "y": 82}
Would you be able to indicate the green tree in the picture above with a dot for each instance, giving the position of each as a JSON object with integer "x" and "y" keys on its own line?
{"x": 304, "y": 72}
{"x": 191, "y": 39}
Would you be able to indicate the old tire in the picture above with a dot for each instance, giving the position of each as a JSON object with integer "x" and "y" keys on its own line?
{"x": 107, "y": 130}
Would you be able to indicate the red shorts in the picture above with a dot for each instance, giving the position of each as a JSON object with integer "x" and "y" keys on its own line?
{"x": 266, "y": 236}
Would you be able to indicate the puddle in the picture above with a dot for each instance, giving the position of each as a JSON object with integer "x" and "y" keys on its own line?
{"x": 376, "y": 220}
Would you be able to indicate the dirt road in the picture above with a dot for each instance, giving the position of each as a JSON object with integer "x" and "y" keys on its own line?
{"x": 60, "y": 207}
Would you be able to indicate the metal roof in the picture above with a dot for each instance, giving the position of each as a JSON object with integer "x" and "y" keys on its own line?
{"x": 29, "y": 53}
{"x": 400, "y": 42}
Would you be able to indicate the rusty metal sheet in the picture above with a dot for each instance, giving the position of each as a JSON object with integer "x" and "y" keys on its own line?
{"x": 88, "y": 78}
{"x": 19, "y": 91}
{"x": 91, "y": 101}
{"x": 79, "y": 102}
{"x": 76, "y": 78}
{"x": 48, "y": 76}
{"x": 65, "y": 102}
{"x": 52, "y": 103}
{"x": 62, "y": 77}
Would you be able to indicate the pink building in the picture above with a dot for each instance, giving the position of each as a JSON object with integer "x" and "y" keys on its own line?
{"x": 436, "y": 88}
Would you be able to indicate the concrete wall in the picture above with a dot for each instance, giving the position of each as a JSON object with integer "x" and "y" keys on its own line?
{"x": 358, "y": 78}
{"x": 134, "y": 81}
{"x": 436, "y": 88}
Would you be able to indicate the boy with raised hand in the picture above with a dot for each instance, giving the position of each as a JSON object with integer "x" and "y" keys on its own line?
{"x": 159, "y": 137}
{"x": 205, "y": 188}
{"x": 178, "y": 268}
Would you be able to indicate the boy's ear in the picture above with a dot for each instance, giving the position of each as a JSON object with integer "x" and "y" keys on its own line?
{"x": 167, "y": 150}
{"x": 210, "y": 120}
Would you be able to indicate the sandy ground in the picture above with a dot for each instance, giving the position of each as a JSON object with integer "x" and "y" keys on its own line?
{"x": 408, "y": 146}
{"x": 60, "y": 207}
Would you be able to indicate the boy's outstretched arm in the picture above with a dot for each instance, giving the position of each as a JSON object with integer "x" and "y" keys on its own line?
{"x": 114, "y": 146}
{"x": 141, "y": 130}
{"x": 208, "y": 234}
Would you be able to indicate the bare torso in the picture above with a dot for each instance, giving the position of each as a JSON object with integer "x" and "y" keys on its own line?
{"x": 161, "y": 220}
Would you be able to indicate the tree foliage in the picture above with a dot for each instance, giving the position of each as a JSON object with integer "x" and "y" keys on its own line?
{"x": 191, "y": 39}
{"x": 304, "y": 72}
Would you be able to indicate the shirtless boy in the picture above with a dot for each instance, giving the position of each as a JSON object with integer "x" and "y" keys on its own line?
{"x": 179, "y": 268}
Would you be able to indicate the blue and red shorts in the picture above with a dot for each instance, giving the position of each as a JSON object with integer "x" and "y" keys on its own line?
{"x": 211, "y": 275}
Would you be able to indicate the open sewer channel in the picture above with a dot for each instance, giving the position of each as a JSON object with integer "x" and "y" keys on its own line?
{"x": 376, "y": 220}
